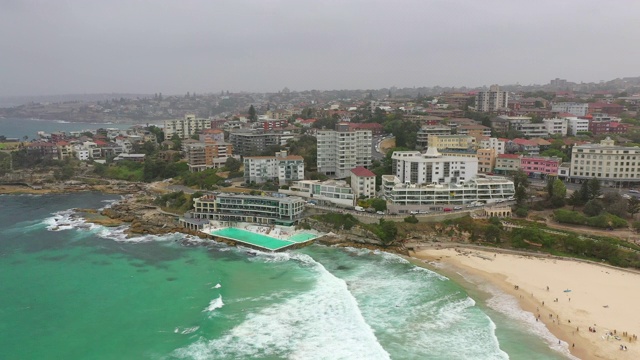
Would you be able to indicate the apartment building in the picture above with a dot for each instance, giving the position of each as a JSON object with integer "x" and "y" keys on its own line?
{"x": 279, "y": 210}
{"x": 281, "y": 167}
{"x": 576, "y": 125}
{"x": 507, "y": 163}
{"x": 492, "y": 100}
{"x": 540, "y": 166}
{"x": 451, "y": 142}
{"x": 609, "y": 163}
{"x": 422, "y": 138}
{"x": 363, "y": 182}
{"x": 532, "y": 130}
{"x": 185, "y": 128}
{"x": 343, "y": 149}
{"x": 207, "y": 155}
{"x": 577, "y": 109}
{"x": 499, "y": 145}
{"x": 475, "y": 130}
{"x": 250, "y": 143}
{"x": 556, "y": 126}
{"x": 327, "y": 193}
{"x": 486, "y": 160}
{"x": 432, "y": 167}
{"x": 404, "y": 197}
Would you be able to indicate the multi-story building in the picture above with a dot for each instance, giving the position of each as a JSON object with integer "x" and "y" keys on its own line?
{"x": 211, "y": 135}
{"x": 250, "y": 143}
{"x": 504, "y": 123}
{"x": 185, "y": 128}
{"x": 492, "y": 100}
{"x": 65, "y": 150}
{"x": 611, "y": 164}
{"x": 280, "y": 210}
{"x": 207, "y": 155}
{"x": 328, "y": 193}
{"x": 363, "y": 182}
{"x": 507, "y": 163}
{"x": 540, "y": 166}
{"x": 523, "y": 146}
{"x": 577, "y": 109}
{"x": 281, "y": 167}
{"x": 556, "y": 126}
{"x": 451, "y": 142}
{"x": 405, "y": 197}
{"x": 486, "y": 160}
{"x": 577, "y": 125}
{"x": 422, "y": 139}
{"x": 432, "y": 168}
{"x": 343, "y": 149}
{"x": 475, "y": 130}
{"x": 497, "y": 144}
{"x": 532, "y": 130}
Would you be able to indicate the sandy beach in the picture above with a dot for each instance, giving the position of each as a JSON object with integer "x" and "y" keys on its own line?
{"x": 600, "y": 297}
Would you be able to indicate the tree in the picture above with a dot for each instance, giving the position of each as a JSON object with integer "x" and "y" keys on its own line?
{"x": 232, "y": 164}
{"x": 557, "y": 192}
{"x": 252, "y": 114}
{"x": 492, "y": 233}
{"x": 593, "y": 208}
{"x": 633, "y": 206}
{"x": 387, "y": 231}
{"x": 575, "y": 199}
{"x": 520, "y": 182}
{"x": 555, "y": 153}
{"x": 593, "y": 188}
{"x": 379, "y": 204}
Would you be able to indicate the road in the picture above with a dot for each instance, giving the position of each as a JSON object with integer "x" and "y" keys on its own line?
{"x": 376, "y": 154}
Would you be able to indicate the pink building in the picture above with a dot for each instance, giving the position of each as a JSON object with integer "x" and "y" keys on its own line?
{"x": 540, "y": 165}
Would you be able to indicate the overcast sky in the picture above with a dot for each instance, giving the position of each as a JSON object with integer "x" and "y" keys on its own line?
{"x": 91, "y": 46}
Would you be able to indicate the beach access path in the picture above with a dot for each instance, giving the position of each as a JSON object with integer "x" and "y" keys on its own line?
{"x": 569, "y": 296}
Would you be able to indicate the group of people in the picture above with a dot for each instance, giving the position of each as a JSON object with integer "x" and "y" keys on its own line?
{"x": 623, "y": 347}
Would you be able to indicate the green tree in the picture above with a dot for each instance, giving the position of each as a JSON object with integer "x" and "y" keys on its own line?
{"x": 253, "y": 116}
{"x": 387, "y": 231}
{"x": 576, "y": 199}
{"x": 232, "y": 164}
{"x": 559, "y": 190}
{"x": 593, "y": 208}
{"x": 593, "y": 188}
{"x": 633, "y": 206}
{"x": 379, "y": 204}
{"x": 520, "y": 182}
{"x": 492, "y": 233}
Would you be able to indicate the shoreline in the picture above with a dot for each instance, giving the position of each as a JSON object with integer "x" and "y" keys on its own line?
{"x": 530, "y": 274}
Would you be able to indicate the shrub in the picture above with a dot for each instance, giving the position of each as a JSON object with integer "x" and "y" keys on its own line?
{"x": 411, "y": 219}
{"x": 522, "y": 212}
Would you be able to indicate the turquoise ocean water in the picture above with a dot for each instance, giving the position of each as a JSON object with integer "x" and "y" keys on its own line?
{"x": 70, "y": 290}
{"x": 17, "y": 128}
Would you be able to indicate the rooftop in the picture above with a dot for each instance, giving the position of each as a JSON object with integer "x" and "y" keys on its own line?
{"x": 362, "y": 172}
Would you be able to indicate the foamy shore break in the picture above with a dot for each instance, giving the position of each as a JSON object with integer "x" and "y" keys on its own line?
{"x": 579, "y": 296}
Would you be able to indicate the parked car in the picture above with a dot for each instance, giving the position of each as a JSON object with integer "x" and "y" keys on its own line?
{"x": 380, "y": 212}
{"x": 457, "y": 208}
{"x": 634, "y": 191}
{"x": 413, "y": 212}
{"x": 446, "y": 209}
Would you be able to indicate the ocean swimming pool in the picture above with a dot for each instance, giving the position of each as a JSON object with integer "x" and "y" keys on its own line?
{"x": 261, "y": 240}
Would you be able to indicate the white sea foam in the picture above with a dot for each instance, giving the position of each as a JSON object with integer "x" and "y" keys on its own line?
{"x": 215, "y": 304}
{"x": 324, "y": 322}
{"x": 218, "y": 286}
{"x": 508, "y": 305}
{"x": 186, "y": 331}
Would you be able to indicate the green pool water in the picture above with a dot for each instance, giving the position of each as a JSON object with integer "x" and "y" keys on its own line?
{"x": 260, "y": 240}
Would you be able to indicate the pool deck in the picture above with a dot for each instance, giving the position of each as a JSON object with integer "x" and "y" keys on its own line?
{"x": 265, "y": 238}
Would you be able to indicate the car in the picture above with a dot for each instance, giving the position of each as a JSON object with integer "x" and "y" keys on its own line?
{"x": 457, "y": 208}
{"x": 424, "y": 212}
{"x": 511, "y": 198}
{"x": 380, "y": 212}
{"x": 413, "y": 212}
{"x": 634, "y": 191}
{"x": 446, "y": 209}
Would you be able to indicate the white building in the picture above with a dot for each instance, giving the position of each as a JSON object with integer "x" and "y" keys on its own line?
{"x": 492, "y": 100}
{"x": 81, "y": 152}
{"x": 280, "y": 210}
{"x": 607, "y": 162}
{"x": 94, "y": 151}
{"x": 363, "y": 182}
{"x": 493, "y": 143}
{"x": 576, "y": 125}
{"x": 185, "y": 128}
{"x": 577, "y": 109}
{"x": 556, "y": 126}
{"x": 281, "y": 167}
{"x": 343, "y": 149}
{"x": 431, "y": 167}
{"x": 328, "y": 193}
{"x": 425, "y": 131}
{"x": 403, "y": 198}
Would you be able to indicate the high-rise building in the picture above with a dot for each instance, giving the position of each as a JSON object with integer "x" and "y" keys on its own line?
{"x": 492, "y": 100}
{"x": 343, "y": 149}
{"x": 611, "y": 164}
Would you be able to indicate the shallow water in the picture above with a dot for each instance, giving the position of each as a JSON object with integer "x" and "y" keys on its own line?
{"x": 73, "y": 290}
